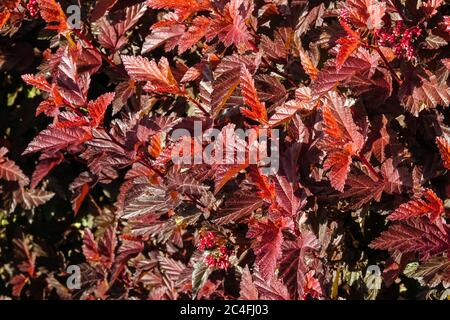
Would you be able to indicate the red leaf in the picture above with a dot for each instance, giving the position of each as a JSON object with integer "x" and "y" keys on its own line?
{"x": 53, "y": 14}
{"x": 286, "y": 200}
{"x": 348, "y": 45}
{"x": 26, "y": 257}
{"x": 54, "y": 139}
{"x": 72, "y": 85}
{"x": 394, "y": 177}
{"x": 224, "y": 173}
{"x": 46, "y": 164}
{"x": 29, "y": 199}
{"x": 226, "y": 79}
{"x": 225, "y": 161}
{"x": 196, "y": 31}
{"x": 158, "y": 76}
{"x": 427, "y": 204}
{"x": 183, "y": 7}
{"x": 277, "y": 49}
{"x": 257, "y": 109}
{"x": 265, "y": 187}
{"x": 338, "y": 164}
{"x": 303, "y": 102}
{"x": 341, "y": 141}
{"x": 293, "y": 264}
{"x": 170, "y": 36}
{"x": 379, "y": 145}
{"x": 97, "y": 108}
{"x": 18, "y": 282}
{"x": 124, "y": 90}
{"x": 128, "y": 249}
{"x": 79, "y": 198}
{"x": 365, "y": 13}
{"x": 270, "y": 288}
{"x": 4, "y": 17}
{"x": 101, "y": 7}
{"x": 112, "y": 35}
{"x": 413, "y": 235}
{"x": 329, "y": 77}
{"x": 266, "y": 244}
{"x": 49, "y": 108}
{"x": 230, "y": 27}
{"x": 239, "y": 206}
{"x": 107, "y": 246}
{"x": 132, "y": 15}
{"x": 308, "y": 65}
{"x": 38, "y": 81}
{"x": 422, "y": 91}
{"x": 90, "y": 247}
{"x": 248, "y": 289}
{"x": 363, "y": 189}
{"x": 145, "y": 199}
{"x": 10, "y": 171}
{"x": 444, "y": 150}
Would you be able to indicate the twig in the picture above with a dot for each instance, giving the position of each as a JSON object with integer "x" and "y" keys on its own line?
{"x": 363, "y": 159}
{"x": 385, "y": 60}
{"x": 198, "y": 104}
{"x": 388, "y": 65}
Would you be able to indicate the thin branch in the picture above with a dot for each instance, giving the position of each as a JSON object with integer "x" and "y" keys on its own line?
{"x": 388, "y": 65}
{"x": 364, "y": 161}
{"x": 197, "y": 104}
{"x": 385, "y": 60}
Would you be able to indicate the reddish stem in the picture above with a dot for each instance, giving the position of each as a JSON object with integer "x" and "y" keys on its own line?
{"x": 198, "y": 104}
{"x": 385, "y": 60}
{"x": 363, "y": 159}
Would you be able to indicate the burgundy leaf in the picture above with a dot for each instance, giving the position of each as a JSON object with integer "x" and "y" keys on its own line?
{"x": 55, "y": 139}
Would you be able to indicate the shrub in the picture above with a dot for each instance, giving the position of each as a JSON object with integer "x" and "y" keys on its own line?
{"x": 349, "y": 96}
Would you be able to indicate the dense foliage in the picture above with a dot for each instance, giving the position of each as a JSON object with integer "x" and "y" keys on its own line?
{"x": 358, "y": 91}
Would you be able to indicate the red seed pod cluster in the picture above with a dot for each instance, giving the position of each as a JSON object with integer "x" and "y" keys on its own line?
{"x": 399, "y": 37}
{"x": 218, "y": 256}
{"x": 33, "y": 8}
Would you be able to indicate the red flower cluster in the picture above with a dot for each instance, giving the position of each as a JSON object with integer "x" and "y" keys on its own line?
{"x": 219, "y": 255}
{"x": 33, "y": 8}
{"x": 220, "y": 261}
{"x": 207, "y": 241}
{"x": 399, "y": 37}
